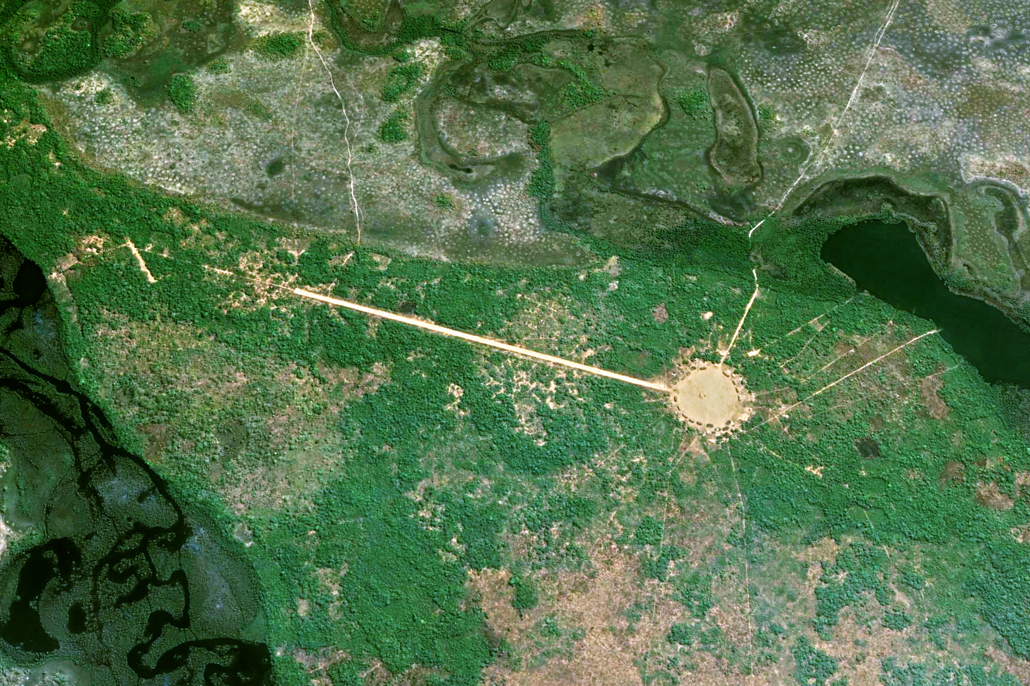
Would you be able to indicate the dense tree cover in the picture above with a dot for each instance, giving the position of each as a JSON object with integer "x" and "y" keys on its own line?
{"x": 695, "y": 104}
{"x": 279, "y": 45}
{"x": 220, "y": 66}
{"x": 183, "y": 293}
{"x": 65, "y": 44}
{"x": 811, "y": 665}
{"x": 859, "y": 572}
{"x": 526, "y": 595}
{"x": 1015, "y": 407}
{"x": 394, "y": 128}
{"x": 130, "y": 31}
{"x": 400, "y": 80}
{"x": 649, "y": 532}
{"x": 182, "y": 91}
{"x": 541, "y": 183}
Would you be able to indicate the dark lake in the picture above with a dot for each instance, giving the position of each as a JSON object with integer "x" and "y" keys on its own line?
{"x": 886, "y": 260}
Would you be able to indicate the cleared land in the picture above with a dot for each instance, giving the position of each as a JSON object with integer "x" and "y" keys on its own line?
{"x": 711, "y": 397}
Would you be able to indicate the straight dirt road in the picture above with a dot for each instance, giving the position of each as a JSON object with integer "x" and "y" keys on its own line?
{"x": 482, "y": 340}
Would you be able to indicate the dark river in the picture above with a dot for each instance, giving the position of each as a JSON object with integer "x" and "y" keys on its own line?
{"x": 886, "y": 260}
{"x": 125, "y": 581}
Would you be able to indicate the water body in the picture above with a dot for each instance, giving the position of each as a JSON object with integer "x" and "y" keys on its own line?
{"x": 116, "y": 584}
{"x": 886, "y": 260}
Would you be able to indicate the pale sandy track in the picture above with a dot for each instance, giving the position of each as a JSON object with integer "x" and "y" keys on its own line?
{"x": 482, "y": 340}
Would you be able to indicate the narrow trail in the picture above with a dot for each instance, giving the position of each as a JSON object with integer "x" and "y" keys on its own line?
{"x": 847, "y": 376}
{"x": 482, "y": 340}
{"x": 346, "y": 130}
{"x": 740, "y": 324}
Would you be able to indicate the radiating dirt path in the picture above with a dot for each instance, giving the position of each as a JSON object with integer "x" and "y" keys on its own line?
{"x": 481, "y": 340}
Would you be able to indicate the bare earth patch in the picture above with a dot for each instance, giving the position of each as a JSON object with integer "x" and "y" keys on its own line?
{"x": 929, "y": 386}
{"x": 606, "y": 651}
{"x": 989, "y": 495}
{"x": 711, "y": 398}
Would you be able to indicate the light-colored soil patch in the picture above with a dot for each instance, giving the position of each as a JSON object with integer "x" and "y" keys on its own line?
{"x": 862, "y": 667}
{"x": 607, "y": 648}
{"x": 929, "y": 386}
{"x": 989, "y": 495}
{"x": 30, "y": 133}
{"x": 711, "y": 398}
{"x": 7, "y": 536}
{"x": 1014, "y": 666}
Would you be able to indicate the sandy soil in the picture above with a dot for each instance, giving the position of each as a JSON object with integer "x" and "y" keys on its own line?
{"x": 711, "y": 397}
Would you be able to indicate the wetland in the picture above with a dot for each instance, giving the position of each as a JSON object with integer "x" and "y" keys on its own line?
{"x": 123, "y": 577}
